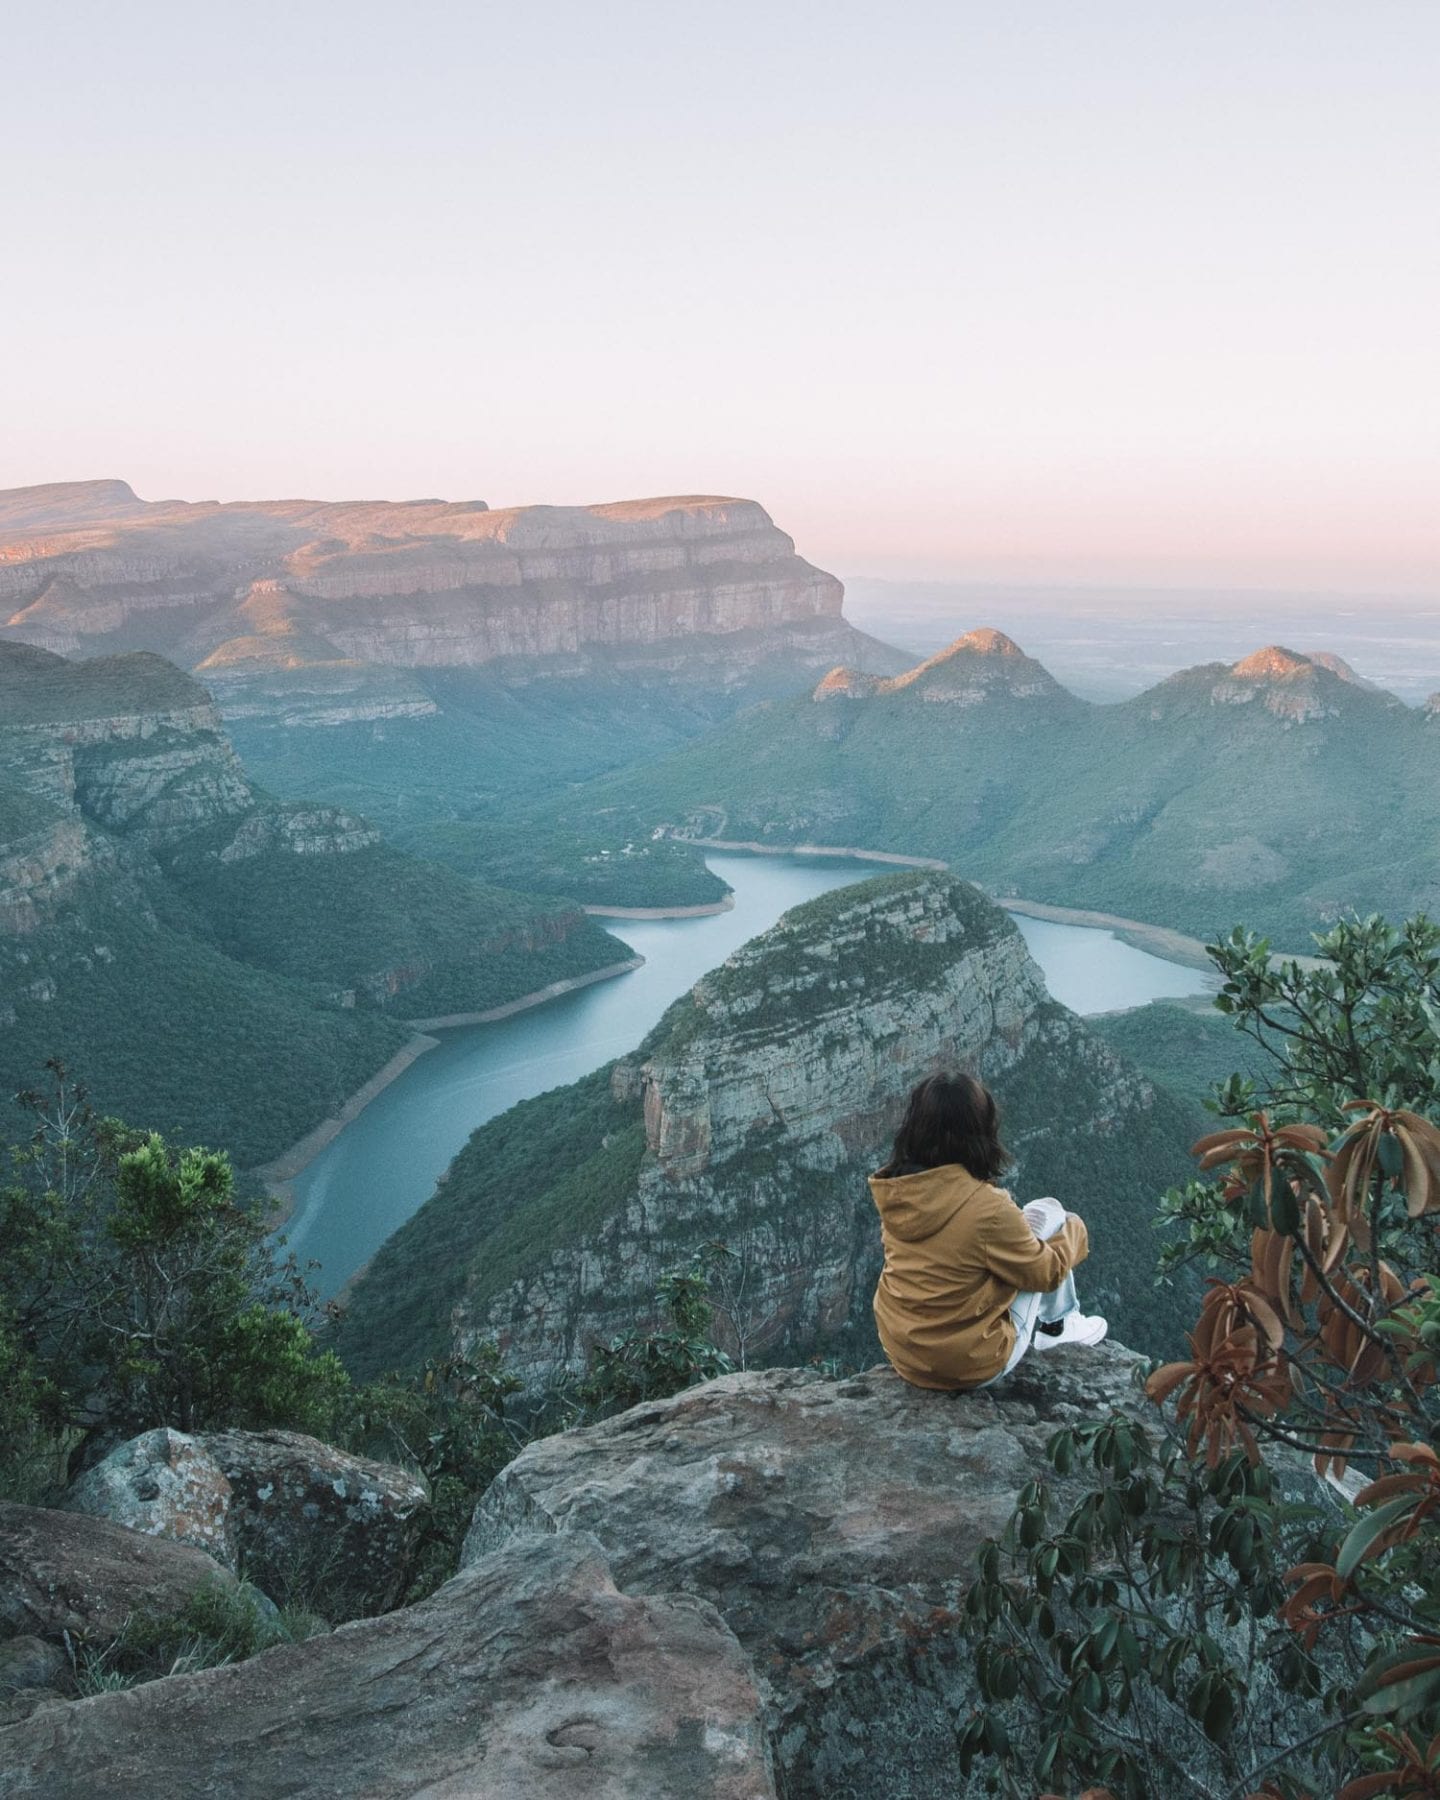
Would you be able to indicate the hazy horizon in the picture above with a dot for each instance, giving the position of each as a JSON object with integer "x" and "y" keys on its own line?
{"x": 1115, "y": 294}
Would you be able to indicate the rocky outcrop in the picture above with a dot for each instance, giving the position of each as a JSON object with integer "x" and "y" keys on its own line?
{"x": 299, "y": 831}
{"x": 284, "y": 1509}
{"x": 128, "y": 743}
{"x": 302, "y": 1511}
{"x": 764, "y": 1096}
{"x": 65, "y": 1573}
{"x": 980, "y": 667}
{"x": 528, "y": 1677}
{"x": 39, "y": 870}
{"x": 751, "y": 1117}
{"x": 846, "y": 684}
{"x": 834, "y": 1525}
{"x": 1290, "y": 686}
{"x": 753, "y": 1589}
{"x": 164, "y": 1484}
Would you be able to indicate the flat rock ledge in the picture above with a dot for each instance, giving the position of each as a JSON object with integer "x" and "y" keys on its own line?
{"x": 751, "y": 1590}
{"x": 834, "y": 1526}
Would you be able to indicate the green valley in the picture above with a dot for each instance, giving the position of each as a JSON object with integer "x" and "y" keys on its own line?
{"x": 1279, "y": 790}
{"x": 208, "y": 961}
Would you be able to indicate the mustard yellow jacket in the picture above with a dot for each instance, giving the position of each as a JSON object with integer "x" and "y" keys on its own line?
{"x": 957, "y": 1252}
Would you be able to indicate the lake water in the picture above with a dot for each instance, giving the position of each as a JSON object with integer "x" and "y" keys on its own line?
{"x": 385, "y": 1164}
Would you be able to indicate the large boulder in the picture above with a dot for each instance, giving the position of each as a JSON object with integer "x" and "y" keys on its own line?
{"x": 64, "y": 1573}
{"x": 294, "y": 1515}
{"x": 305, "y": 1516}
{"x": 165, "y": 1484}
{"x": 528, "y": 1677}
{"x": 834, "y": 1525}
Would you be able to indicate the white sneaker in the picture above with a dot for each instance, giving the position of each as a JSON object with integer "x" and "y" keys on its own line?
{"x": 1080, "y": 1328}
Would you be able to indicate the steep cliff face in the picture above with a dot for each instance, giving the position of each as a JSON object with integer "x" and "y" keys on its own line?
{"x": 751, "y": 1116}
{"x": 207, "y": 960}
{"x": 127, "y": 743}
{"x": 413, "y": 584}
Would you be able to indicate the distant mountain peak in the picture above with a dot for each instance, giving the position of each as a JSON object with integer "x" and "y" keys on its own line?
{"x": 845, "y": 684}
{"x": 978, "y": 666}
{"x": 985, "y": 642}
{"x": 1337, "y": 665}
{"x": 1273, "y": 663}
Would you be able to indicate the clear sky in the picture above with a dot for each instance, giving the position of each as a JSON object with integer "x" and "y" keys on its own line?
{"x": 1024, "y": 289}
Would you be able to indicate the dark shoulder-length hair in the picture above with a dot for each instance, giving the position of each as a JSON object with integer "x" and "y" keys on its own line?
{"x": 950, "y": 1119}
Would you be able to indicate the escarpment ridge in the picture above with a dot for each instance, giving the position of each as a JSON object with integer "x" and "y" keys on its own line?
{"x": 433, "y": 664}
{"x": 250, "y": 585}
{"x": 1280, "y": 789}
{"x": 150, "y": 891}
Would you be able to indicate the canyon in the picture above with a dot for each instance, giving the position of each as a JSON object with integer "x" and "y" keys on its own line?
{"x": 434, "y": 665}
{"x": 148, "y": 887}
{"x": 750, "y": 1116}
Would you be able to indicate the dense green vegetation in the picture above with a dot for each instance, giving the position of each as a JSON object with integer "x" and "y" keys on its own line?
{"x": 393, "y": 929}
{"x": 218, "y": 1625}
{"x": 582, "y": 863}
{"x": 137, "y": 1290}
{"x": 1186, "y": 1049}
{"x": 1177, "y": 806}
{"x": 1207, "y": 1616}
{"x": 498, "y": 747}
{"x": 37, "y": 687}
{"x": 173, "y": 1034}
{"x": 213, "y": 963}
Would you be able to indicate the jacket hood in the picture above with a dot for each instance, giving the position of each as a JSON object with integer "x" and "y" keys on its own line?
{"x": 917, "y": 1206}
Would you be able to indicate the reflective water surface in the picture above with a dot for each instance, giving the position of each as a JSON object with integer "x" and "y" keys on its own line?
{"x": 385, "y": 1164}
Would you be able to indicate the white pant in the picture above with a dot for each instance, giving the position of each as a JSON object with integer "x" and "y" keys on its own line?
{"x": 1032, "y": 1310}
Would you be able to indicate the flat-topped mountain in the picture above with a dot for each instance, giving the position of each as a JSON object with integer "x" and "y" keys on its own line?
{"x": 752, "y": 1115}
{"x": 205, "y": 958}
{"x": 420, "y": 583}
{"x": 1278, "y": 789}
{"x": 429, "y": 662}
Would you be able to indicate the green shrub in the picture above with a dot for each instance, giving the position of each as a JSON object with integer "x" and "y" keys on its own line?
{"x": 1203, "y": 1614}
{"x": 217, "y": 1625}
{"x": 136, "y": 1291}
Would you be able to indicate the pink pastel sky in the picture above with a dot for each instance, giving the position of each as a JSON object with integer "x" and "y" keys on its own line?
{"x": 1121, "y": 291}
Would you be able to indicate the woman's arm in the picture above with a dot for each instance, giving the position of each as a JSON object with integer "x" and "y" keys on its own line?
{"x": 1011, "y": 1250}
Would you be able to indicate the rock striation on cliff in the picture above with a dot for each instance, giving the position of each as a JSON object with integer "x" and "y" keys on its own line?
{"x": 751, "y": 1590}
{"x": 202, "y": 956}
{"x": 441, "y": 667}
{"x": 750, "y": 1117}
{"x": 270, "y": 584}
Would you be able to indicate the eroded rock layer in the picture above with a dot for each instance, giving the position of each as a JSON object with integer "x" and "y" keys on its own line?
{"x": 750, "y": 1118}
{"x": 276, "y": 584}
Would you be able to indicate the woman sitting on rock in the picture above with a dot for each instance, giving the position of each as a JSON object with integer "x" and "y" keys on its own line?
{"x": 968, "y": 1286}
